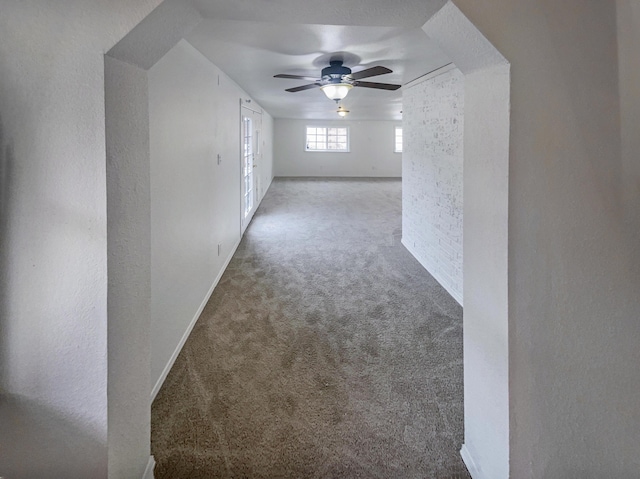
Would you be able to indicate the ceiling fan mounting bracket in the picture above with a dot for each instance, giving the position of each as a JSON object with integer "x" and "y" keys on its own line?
{"x": 336, "y": 73}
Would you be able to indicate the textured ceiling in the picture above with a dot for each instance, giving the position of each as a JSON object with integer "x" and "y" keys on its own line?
{"x": 384, "y": 13}
{"x": 252, "y": 40}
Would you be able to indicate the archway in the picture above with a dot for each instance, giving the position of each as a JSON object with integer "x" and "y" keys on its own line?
{"x": 486, "y": 157}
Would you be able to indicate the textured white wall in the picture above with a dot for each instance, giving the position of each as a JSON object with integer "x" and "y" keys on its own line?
{"x": 629, "y": 69}
{"x": 194, "y": 113}
{"x": 573, "y": 256}
{"x": 129, "y": 267}
{"x": 432, "y": 165}
{"x": 53, "y": 226}
{"x": 573, "y": 282}
{"x": 266, "y": 167}
{"x": 371, "y": 150}
{"x": 485, "y": 269}
{"x": 129, "y": 233}
{"x": 485, "y": 243}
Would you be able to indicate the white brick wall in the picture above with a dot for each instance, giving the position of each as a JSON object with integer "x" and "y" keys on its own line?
{"x": 432, "y": 165}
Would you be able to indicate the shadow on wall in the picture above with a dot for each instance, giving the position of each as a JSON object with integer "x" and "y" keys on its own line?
{"x": 35, "y": 442}
{"x": 6, "y": 171}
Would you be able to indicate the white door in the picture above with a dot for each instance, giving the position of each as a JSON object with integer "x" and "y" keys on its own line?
{"x": 251, "y": 152}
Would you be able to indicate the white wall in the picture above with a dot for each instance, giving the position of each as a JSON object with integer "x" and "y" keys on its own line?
{"x": 371, "y": 150}
{"x": 128, "y": 265}
{"x": 53, "y": 228}
{"x": 485, "y": 268}
{"x": 129, "y": 234}
{"x": 266, "y": 167}
{"x": 194, "y": 113}
{"x": 573, "y": 283}
{"x": 432, "y": 165}
{"x": 629, "y": 68}
{"x": 572, "y": 252}
{"x": 486, "y": 448}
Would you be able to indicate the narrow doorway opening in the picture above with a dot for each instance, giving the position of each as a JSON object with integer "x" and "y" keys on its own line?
{"x": 250, "y": 159}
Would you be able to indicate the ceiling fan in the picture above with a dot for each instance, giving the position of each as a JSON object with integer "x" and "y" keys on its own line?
{"x": 336, "y": 80}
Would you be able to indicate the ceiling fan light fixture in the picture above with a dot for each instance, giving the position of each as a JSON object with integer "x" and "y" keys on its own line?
{"x": 342, "y": 112}
{"x": 336, "y": 91}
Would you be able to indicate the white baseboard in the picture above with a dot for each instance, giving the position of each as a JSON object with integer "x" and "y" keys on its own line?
{"x": 468, "y": 461}
{"x": 185, "y": 336}
{"x": 454, "y": 294}
{"x": 148, "y": 472}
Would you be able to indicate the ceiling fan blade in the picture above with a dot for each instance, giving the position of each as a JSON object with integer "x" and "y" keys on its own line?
{"x": 303, "y": 87}
{"x": 370, "y": 72}
{"x": 379, "y": 86}
{"x": 295, "y": 77}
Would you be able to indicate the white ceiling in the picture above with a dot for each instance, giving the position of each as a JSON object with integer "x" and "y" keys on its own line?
{"x": 252, "y": 40}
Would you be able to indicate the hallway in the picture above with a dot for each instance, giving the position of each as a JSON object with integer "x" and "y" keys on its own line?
{"x": 326, "y": 350}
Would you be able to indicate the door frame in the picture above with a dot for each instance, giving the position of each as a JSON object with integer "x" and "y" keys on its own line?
{"x": 256, "y": 132}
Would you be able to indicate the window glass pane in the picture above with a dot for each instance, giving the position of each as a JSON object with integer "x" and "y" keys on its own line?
{"x": 398, "y": 140}
{"x": 327, "y": 138}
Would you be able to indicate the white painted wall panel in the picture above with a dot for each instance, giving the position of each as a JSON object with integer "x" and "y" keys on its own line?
{"x": 53, "y": 228}
{"x": 195, "y": 202}
{"x": 129, "y": 267}
{"x": 573, "y": 256}
{"x": 485, "y": 325}
{"x": 432, "y": 167}
{"x": 628, "y": 19}
{"x": 266, "y": 165}
{"x": 371, "y": 150}
{"x": 486, "y": 448}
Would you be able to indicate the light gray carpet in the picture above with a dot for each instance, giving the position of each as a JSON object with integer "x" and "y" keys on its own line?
{"x": 326, "y": 351}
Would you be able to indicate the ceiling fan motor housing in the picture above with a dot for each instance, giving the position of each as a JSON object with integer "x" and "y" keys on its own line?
{"x": 337, "y": 80}
{"x": 335, "y": 72}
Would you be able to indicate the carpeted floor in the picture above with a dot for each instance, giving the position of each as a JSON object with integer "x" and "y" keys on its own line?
{"x": 326, "y": 351}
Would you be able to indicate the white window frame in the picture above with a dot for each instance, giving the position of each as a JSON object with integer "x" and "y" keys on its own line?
{"x": 326, "y": 128}
{"x": 395, "y": 140}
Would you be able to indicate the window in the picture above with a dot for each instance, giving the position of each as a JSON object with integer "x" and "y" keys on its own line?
{"x": 398, "y": 147}
{"x": 321, "y": 138}
{"x": 247, "y": 164}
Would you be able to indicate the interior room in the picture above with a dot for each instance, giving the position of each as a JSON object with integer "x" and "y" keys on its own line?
{"x": 468, "y": 171}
